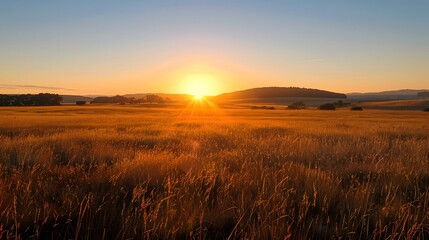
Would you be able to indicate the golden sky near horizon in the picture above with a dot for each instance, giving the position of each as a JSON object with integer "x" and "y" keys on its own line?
{"x": 212, "y": 47}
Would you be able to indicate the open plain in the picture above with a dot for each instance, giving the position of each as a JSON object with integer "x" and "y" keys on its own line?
{"x": 117, "y": 172}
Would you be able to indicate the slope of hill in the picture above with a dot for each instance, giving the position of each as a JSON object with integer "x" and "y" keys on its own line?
{"x": 279, "y": 92}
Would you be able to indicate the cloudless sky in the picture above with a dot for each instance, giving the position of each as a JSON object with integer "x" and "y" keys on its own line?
{"x": 117, "y": 47}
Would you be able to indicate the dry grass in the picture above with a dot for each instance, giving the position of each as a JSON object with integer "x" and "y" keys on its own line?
{"x": 129, "y": 172}
{"x": 419, "y": 104}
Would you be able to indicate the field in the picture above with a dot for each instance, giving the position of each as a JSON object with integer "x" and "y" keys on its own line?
{"x": 419, "y": 104}
{"x": 121, "y": 172}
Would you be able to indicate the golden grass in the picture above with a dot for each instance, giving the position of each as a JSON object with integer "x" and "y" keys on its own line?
{"x": 118, "y": 172}
{"x": 394, "y": 103}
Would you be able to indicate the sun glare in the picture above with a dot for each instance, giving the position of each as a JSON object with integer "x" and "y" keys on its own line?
{"x": 200, "y": 85}
{"x": 198, "y": 97}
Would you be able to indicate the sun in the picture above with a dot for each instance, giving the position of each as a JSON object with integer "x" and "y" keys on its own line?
{"x": 198, "y": 96}
{"x": 200, "y": 85}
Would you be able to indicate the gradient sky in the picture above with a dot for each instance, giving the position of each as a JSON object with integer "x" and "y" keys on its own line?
{"x": 118, "y": 47}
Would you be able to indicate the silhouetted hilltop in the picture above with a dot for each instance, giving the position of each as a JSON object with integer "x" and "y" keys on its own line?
{"x": 274, "y": 92}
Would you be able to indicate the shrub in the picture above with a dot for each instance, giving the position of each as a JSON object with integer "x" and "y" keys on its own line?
{"x": 426, "y": 110}
{"x": 80, "y": 102}
{"x": 327, "y": 106}
{"x": 357, "y": 108}
{"x": 296, "y": 106}
{"x": 340, "y": 103}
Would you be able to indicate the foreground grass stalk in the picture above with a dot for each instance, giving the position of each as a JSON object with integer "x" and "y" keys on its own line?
{"x": 239, "y": 174}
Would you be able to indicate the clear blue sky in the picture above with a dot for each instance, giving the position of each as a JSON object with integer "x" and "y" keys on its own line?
{"x": 151, "y": 46}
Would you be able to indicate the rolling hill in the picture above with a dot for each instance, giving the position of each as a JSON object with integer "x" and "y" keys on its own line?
{"x": 279, "y": 92}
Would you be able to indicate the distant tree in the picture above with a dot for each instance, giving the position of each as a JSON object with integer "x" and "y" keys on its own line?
{"x": 152, "y": 98}
{"x": 426, "y": 110}
{"x": 263, "y": 107}
{"x": 356, "y": 108}
{"x": 340, "y": 103}
{"x": 80, "y": 102}
{"x": 297, "y": 105}
{"x": 327, "y": 106}
{"x": 46, "y": 99}
{"x": 23, "y": 100}
{"x": 5, "y": 100}
{"x": 139, "y": 100}
{"x": 115, "y": 99}
{"x": 41, "y": 99}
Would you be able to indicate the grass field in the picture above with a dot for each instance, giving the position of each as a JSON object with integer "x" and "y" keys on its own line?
{"x": 419, "y": 104}
{"x": 121, "y": 172}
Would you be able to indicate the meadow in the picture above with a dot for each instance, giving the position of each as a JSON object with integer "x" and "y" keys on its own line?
{"x": 129, "y": 172}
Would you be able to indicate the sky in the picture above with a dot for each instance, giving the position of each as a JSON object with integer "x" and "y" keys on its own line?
{"x": 119, "y": 47}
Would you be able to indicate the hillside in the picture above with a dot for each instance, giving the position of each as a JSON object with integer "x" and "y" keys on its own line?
{"x": 279, "y": 92}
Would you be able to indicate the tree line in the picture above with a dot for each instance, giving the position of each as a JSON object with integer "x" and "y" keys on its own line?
{"x": 151, "y": 98}
{"x": 41, "y": 99}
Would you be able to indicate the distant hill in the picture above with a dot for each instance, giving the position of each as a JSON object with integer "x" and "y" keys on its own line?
{"x": 279, "y": 92}
{"x": 404, "y": 94}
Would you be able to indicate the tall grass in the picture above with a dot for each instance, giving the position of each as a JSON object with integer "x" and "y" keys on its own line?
{"x": 118, "y": 173}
